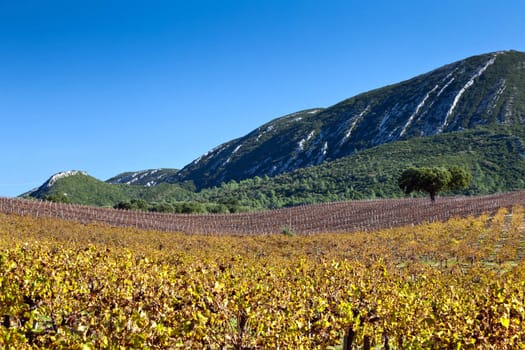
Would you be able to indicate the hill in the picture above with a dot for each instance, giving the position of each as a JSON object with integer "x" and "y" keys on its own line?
{"x": 468, "y": 113}
{"x": 495, "y": 157}
{"x": 148, "y": 178}
{"x": 482, "y": 90}
{"x": 81, "y": 188}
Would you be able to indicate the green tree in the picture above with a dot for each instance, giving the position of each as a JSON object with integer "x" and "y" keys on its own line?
{"x": 58, "y": 198}
{"x": 461, "y": 178}
{"x": 434, "y": 180}
{"x": 134, "y": 204}
{"x": 161, "y": 208}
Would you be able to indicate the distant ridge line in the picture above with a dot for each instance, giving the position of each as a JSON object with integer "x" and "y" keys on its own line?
{"x": 338, "y": 217}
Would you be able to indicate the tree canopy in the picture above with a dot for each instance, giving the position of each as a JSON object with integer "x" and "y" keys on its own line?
{"x": 434, "y": 180}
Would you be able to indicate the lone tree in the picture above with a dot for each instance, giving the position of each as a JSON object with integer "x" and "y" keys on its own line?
{"x": 434, "y": 180}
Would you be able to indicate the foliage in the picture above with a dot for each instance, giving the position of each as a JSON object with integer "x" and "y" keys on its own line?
{"x": 134, "y": 204}
{"x": 492, "y": 156}
{"x": 57, "y": 198}
{"x": 85, "y": 189}
{"x": 288, "y": 231}
{"x": 457, "y": 284}
{"x": 459, "y": 178}
{"x": 433, "y": 180}
{"x": 189, "y": 207}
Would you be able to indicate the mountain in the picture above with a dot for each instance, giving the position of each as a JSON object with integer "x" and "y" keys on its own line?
{"x": 481, "y": 90}
{"x": 47, "y": 186}
{"x": 77, "y": 187}
{"x": 81, "y": 188}
{"x": 467, "y": 113}
{"x": 494, "y": 155}
{"x": 148, "y": 178}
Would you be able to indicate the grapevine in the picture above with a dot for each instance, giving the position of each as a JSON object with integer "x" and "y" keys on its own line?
{"x": 94, "y": 286}
{"x": 365, "y": 215}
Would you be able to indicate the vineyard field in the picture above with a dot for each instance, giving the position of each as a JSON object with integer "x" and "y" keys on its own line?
{"x": 365, "y": 215}
{"x": 456, "y": 284}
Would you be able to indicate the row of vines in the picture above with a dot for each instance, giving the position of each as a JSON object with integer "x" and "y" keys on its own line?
{"x": 366, "y": 215}
{"x": 455, "y": 284}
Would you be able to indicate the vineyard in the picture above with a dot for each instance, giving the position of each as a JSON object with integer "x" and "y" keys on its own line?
{"x": 366, "y": 215}
{"x": 444, "y": 285}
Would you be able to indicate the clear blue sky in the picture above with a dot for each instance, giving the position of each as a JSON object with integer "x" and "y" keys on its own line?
{"x": 109, "y": 86}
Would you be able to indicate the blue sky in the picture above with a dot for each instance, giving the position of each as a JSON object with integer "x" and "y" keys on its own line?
{"x": 108, "y": 86}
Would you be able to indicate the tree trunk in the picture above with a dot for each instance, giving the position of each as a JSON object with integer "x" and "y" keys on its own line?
{"x": 366, "y": 342}
{"x": 349, "y": 339}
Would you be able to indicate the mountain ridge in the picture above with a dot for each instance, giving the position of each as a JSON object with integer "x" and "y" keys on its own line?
{"x": 483, "y": 91}
{"x": 148, "y": 178}
{"x": 476, "y": 91}
{"x": 494, "y": 156}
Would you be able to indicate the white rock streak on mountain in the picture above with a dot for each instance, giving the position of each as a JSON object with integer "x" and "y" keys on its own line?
{"x": 53, "y": 179}
{"x": 446, "y": 86}
{"x": 448, "y": 83}
{"x": 231, "y": 155}
{"x": 139, "y": 176}
{"x": 418, "y": 108}
{"x": 354, "y": 124}
{"x": 462, "y": 91}
{"x": 303, "y": 141}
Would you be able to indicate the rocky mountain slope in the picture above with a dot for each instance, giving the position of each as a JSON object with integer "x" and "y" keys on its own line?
{"x": 481, "y": 90}
{"x": 354, "y": 149}
{"x": 495, "y": 155}
{"x": 148, "y": 178}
